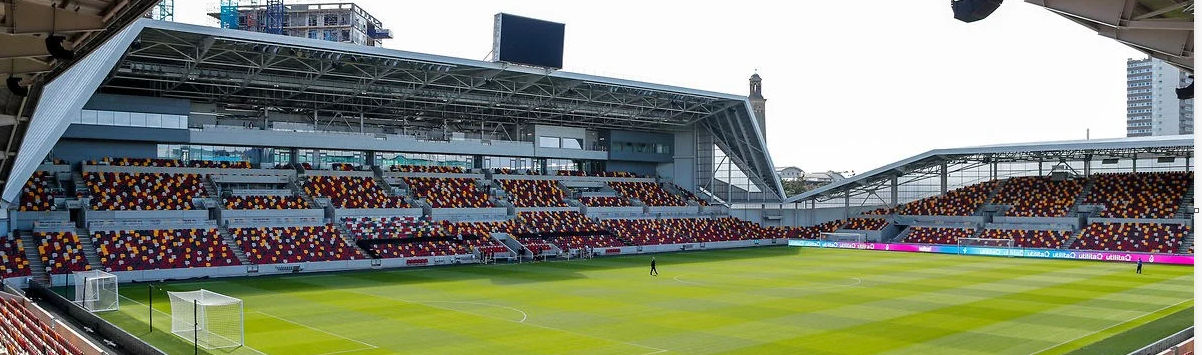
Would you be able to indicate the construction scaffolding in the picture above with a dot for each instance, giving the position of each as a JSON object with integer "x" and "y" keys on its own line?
{"x": 335, "y": 22}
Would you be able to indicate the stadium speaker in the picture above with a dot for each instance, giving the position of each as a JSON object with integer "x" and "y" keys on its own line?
{"x": 54, "y": 45}
{"x": 973, "y": 10}
{"x": 1186, "y": 92}
{"x": 14, "y": 85}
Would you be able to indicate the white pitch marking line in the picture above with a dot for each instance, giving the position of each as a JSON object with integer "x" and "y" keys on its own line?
{"x": 369, "y": 346}
{"x": 524, "y": 315}
{"x": 655, "y": 350}
{"x": 1112, "y": 326}
{"x": 169, "y": 315}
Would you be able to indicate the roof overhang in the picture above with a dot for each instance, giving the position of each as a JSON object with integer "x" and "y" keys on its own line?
{"x": 292, "y": 74}
{"x": 1135, "y": 147}
{"x": 1164, "y": 29}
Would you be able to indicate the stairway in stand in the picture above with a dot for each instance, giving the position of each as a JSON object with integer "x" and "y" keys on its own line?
{"x": 36, "y": 267}
{"x": 234, "y": 248}
{"x": 89, "y": 248}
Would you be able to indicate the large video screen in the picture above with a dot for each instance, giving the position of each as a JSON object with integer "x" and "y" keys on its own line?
{"x": 523, "y": 40}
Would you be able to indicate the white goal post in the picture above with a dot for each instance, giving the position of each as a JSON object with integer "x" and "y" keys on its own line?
{"x": 96, "y": 291}
{"x": 843, "y": 237}
{"x": 209, "y": 319}
{"x": 962, "y": 243}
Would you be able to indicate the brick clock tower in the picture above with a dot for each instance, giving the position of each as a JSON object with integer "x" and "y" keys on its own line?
{"x": 756, "y": 96}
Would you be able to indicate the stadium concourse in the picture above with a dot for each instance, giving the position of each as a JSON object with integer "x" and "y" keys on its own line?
{"x": 159, "y": 165}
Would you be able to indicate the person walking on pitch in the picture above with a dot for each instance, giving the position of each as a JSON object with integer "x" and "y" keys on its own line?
{"x": 653, "y": 271}
{"x": 1139, "y": 266}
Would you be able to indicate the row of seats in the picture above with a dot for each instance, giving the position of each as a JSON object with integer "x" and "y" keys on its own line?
{"x": 1133, "y": 237}
{"x": 622, "y": 174}
{"x": 685, "y": 230}
{"x": 426, "y": 169}
{"x": 352, "y": 192}
{"x": 37, "y": 194}
{"x": 935, "y": 235}
{"x": 959, "y": 202}
{"x": 419, "y": 248}
{"x": 448, "y": 192}
{"x": 12, "y": 258}
{"x": 1038, "y": 196}
{"x": 161, "y": 249}
{"x": 598, "y": 241}
{"x": 61, "y": 252}
{"x": 1029, "y": 238}
{"x": 259, "y": 202}
{"x": 605, "y": 201}
{"x": 23, "y": 333}
{"x": 172, "y": 163}
{"x": 343, "y": 167}
{"x": 274, "y": 245}
{"x": 553, "y": 223}
{"x": 533, "y": 193}
{"x": 508, "y": 171}
{"x": 536, "y": 246}
{"x": 811, "y": 232}
{"x": 883, "y": 211}
{"x": 143, "y": 191}
{"x": 394, "y": 227}
{"x": 649, "y": 192}
{"x": 1140, "y": 195}
{"x": 865, "y": 224}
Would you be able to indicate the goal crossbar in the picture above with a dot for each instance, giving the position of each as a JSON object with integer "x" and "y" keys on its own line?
{"x": 209, "y": 319}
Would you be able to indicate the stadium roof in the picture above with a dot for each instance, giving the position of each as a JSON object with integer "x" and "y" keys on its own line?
{"x": 301, "y": 75}
{"x": 1163, "y": 29}
{"x": 1135, "y": 147}
{"x": 24, "y": 53}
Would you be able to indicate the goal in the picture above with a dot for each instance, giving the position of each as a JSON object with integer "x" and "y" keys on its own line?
{"x": 964, "y": 243}
{"x": 96, "y": 291}
{"x": 843, "y": 237}
{"x": 210, "y": 320}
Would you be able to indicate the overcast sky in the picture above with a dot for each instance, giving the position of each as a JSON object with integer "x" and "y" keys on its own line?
{"x": 850, "y": 85}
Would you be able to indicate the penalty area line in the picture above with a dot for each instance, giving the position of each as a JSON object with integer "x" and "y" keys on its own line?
{"x": 1112, "y": 326}
{"x": 369, "y": 346}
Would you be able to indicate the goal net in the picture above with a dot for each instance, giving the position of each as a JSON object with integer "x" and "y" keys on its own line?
{"x": 209, "y": 319}
{"x": 96, "y": 291}
{"x": 842, "y": 237}
{"x": 962, "y": 243}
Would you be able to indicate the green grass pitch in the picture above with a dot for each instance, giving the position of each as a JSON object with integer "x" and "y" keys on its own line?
{"x": 757, "y": 300}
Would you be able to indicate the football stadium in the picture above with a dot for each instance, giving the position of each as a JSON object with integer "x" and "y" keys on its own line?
{"x": 260, "y": 187}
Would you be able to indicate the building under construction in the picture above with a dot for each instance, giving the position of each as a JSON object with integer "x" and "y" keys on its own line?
{"x": 336, "y": 22}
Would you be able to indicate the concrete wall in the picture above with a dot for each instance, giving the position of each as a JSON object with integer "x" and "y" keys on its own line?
{"x": 618, "y": 138}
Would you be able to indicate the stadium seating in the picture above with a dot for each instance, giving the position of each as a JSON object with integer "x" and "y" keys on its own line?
{"x": 344, "y": 167}
{"x": 143, "y": 191}
{"x": 419, "y": 248}
{"x": 1029, "y": 238}
{"x": 933, "y": 235}
{"x": 644, "y": 231}
{"x": 485, "y": 245}
{"x": 172, "y": 163}
{"x": 600, "y": 174}
{"x": 61, "y": 252}
{"x": 161, "y": 249}
{"x": 1139, "y": 195}
{"x": 865, "y": 224}
{"x": 649, "y": 192}
{"x": 448, "y": 192}
{"x": 536, "y": 246}
{"x": 1132, "y": 237}
{"x": 554, "y": 223}
{"x": 21, "y": 332}
{"x": 533, "y": 193}
{"x": 352, "y": 192}
{"x": 275, "y": 245}
{"x": 36, "y": 195}
{"x": 883, "y": 211}
{"x": 426, "y": 169}
{"x": 604, "y": 201}
{"x": 395, "y": 227}
{"x": 586, "y": 241}
{"x": 689, "y": 196}
{"x": 812, "y": 232}
{"x": 508, "y": 171}
{"x": 12, "y": 257}
{"x": 1038, "y": 196}
{"x": 265, "y": 203}
{"x": 959, "y": 202}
